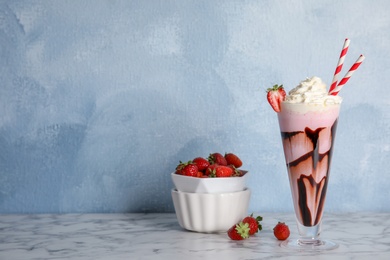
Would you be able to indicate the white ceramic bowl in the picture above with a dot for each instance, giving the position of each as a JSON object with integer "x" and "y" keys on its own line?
{"x": 210, "y": 213}
{"x": 209, "y": 185}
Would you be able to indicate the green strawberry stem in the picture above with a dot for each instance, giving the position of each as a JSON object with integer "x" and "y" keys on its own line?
{"x": 243, "y": 229}
{"x": 274, "y": 88}
{"x": 258, "y": 219}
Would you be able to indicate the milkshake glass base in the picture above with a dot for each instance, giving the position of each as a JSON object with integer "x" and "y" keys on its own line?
{"x": 309, "y": 245}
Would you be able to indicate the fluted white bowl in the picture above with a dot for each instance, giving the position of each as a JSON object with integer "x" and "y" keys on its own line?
{"x": 210, "y": 212}
{"x": 209, "y": 185}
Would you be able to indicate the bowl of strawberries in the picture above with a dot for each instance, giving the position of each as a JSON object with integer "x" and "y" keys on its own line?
{"x": 215, "y": 174}
{"x": 210, "y": 194}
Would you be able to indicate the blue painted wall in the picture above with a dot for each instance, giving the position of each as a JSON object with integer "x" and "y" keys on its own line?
{"x": 99, "y": 100}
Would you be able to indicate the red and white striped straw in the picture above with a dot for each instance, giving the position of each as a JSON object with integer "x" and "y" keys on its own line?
{"x": 339, "y": 65}
{"x": 347, "y": 76}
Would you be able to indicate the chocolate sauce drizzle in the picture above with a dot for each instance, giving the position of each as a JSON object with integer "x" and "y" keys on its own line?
{"x": 305, "y": 211}
{"x": 307, "y": 182}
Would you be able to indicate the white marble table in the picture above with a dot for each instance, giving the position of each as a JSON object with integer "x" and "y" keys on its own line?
{"x": 158, "y": 236}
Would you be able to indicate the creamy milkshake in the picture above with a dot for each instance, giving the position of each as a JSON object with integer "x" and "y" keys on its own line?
{"x": 308, "y": 120}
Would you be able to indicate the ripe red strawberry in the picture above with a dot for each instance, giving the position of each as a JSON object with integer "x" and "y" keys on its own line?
{"x": 239, "y": 231}
{"x": 202, "y": 163}
{"x": 233, "y": 159}
{"x": 222, "y": 171}
{"x": 217, "y": 158}
{"x": 275, "y": 95}
{"x": 179, "y": 167}
{"x": 254, "y": 223}
{"x": 188, "y": 169}
{"x": 236, "y": 172}
{"x": 210, "y": 171}
{"x": 281, "y": 231}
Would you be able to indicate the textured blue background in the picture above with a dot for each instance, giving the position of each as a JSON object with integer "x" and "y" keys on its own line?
{"x": 99, "y": 100}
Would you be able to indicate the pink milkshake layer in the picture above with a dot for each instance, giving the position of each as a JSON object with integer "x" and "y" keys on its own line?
{"x": 308, "y": 132}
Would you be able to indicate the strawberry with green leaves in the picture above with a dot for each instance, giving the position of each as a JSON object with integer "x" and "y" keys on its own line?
{"x": 236, "y": 172}
{"x": 210, "y": 170}
{"x": 253, "y": 223}
{"x": 187, "y": 169}
{"x": 221, "y": 171}
{"x": 275, "y": 96}
{"x": 245, "y": 228}
{"x": 217, "y": 158}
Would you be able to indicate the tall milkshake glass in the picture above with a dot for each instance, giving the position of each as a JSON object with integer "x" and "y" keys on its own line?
{"x": 308, "y": 134}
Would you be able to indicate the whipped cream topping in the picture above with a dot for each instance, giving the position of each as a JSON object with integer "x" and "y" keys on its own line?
{"x": 312, "y": 91}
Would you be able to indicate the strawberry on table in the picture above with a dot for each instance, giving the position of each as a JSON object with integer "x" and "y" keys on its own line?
{"x": 217, "y": 158}
{"x": 281, "y": 231}
{"x": 275, "y": 95}
{"x": 254, "y": 223}
{"x": 233, "y": 159}
{"x": 239, "y": 231}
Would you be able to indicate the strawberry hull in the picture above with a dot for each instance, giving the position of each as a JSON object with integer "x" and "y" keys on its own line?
{"x": 308, "y": 133}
